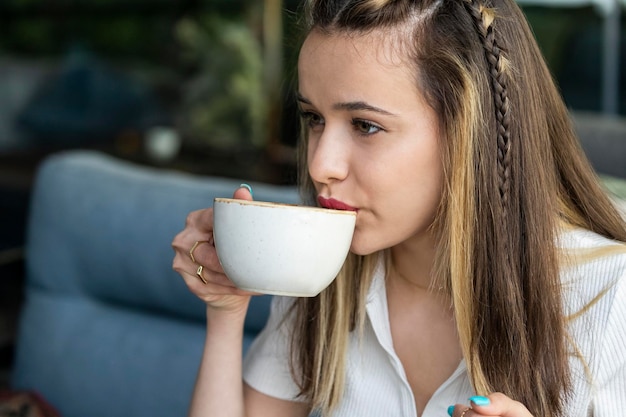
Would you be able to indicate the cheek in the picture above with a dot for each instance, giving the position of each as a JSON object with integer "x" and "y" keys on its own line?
{"x": 423, "y": 196}
{"x": 404, "y": 205}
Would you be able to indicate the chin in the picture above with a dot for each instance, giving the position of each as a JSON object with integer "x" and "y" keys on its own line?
{"x": 362, "y": 248}
{"x": 359, "y": 252}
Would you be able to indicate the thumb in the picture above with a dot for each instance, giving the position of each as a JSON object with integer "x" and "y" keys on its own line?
{"x": 244, "y": 192}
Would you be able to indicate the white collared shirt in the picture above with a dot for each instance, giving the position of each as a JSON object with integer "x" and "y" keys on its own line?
{"x": 376, "y": 384}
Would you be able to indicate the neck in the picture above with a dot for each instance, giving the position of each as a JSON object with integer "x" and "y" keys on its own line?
{"x": 412, "y": 262}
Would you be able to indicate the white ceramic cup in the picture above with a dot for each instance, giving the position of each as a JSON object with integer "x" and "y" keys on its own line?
{"x": 282, "y": 249}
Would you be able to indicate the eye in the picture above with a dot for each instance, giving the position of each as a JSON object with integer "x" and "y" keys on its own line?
{"x": 311, "y": 119}
{"x": 365, "y": 127}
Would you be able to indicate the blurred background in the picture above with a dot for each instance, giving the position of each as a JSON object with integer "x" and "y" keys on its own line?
{"x": 202, "y": 86}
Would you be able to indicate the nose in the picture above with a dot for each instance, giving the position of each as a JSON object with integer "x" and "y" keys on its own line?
{"x": 328, "y": 156}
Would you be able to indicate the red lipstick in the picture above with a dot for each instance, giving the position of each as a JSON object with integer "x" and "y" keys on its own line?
{"x": 331, "y": 203}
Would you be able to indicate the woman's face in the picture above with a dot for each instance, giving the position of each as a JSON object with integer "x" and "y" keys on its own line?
{"x": 373, "y": 140}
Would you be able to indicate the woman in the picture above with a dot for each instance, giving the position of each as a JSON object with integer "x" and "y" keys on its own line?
{"x": 487, "y": 262}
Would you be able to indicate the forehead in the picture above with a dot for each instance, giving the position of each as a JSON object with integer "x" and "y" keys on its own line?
{"x": 369, "y": 65}
{"x": 380, "y": 47}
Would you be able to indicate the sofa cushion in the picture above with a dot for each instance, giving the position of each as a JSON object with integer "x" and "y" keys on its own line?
{"x": 93, "y": 359}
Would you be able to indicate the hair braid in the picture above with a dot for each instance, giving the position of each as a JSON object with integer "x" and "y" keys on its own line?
{"x": 483, "y": 19}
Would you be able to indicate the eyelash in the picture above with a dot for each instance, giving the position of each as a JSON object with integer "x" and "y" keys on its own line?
{"x": 359, "y": 123}
{"x": 313, "y": 119}
{"x": 308, "y": 117}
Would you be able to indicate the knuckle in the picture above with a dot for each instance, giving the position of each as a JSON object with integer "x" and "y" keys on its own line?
{"x": 177, "y": 264}
{"x": 498, "y": 396}
{"x": 191, "y": 218}
{"x": 176, "y": 242}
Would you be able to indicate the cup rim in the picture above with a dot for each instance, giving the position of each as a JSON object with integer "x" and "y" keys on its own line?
{"x": 281, "y": 205}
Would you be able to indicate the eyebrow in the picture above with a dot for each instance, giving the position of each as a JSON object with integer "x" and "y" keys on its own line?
{"x": 350, "y": 106}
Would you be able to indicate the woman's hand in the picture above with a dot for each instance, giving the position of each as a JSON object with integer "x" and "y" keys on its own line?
{"x": 196, "y": 261}
{"x": 494, "y": 405}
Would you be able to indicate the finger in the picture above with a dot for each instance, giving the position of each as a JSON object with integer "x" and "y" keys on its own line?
{"x": 215, "y": 274}
{"x": 201, "y": 242}
{"x": 211, "y": 292}
{"x": 498, "y": 404}
{"x": 215, "y": 283}
{"x": 244, "y": 192}
{"x": 460, "y": 410}
{"x": 198, "y": 227}
{"x": 203, "y": 254}
{"x": 216, "y": 277}
{"x": 200, "y": 219}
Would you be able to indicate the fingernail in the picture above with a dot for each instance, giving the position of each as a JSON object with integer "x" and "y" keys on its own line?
{"x": 248, "y": 187}
{"x": 480, "y": 400}
{"x": 450, "y": 410}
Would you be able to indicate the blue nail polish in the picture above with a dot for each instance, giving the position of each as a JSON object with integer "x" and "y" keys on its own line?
{"x": 480, "y": 400}
{"x": 450, "y": 410}
{"x": 248, "y": 187}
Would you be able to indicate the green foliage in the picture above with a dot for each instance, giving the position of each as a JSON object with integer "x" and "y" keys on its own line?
{"x": 555, "y": 26}
{"x": 224, "y": 102}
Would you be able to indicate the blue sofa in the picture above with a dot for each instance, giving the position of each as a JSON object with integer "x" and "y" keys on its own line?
{"x": 108, "y": 328}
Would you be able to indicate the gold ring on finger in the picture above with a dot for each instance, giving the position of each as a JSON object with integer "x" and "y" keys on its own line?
{"x": 195, "y": 245}
{"x": 199, "y": 273}
{"x": 465, "y": 411}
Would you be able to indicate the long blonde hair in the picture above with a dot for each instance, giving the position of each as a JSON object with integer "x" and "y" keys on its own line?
{"x": 513, "y": 170}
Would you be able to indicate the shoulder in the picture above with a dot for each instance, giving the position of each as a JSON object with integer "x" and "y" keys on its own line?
{"x": 577, "y": 238}
{"x": 591, "y": 262}
{"x": 593, "y": 279}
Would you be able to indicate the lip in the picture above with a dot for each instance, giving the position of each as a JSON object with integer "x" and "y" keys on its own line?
{"x": 331, "y": 203}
